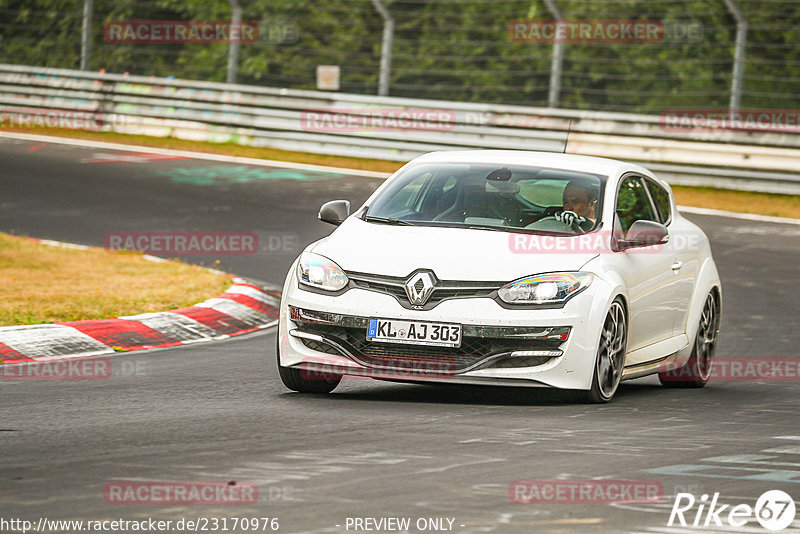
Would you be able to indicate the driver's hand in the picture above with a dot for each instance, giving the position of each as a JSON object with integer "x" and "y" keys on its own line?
{"x": 570, "y": 218}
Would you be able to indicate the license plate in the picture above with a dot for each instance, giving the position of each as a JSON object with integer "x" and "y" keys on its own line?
{"x": 414, "y": 332}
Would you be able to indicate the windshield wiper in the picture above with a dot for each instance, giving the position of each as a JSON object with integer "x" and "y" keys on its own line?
{"x": 514, "y": 229}
{"x": 387, "y": 220}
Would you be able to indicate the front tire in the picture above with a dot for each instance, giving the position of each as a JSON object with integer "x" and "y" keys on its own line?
{"x": 305, "y": 381}
{"x": 610, "y": 359}
{"x": 697, "y": 370}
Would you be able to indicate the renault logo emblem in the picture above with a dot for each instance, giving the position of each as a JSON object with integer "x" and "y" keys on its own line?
{"x": 419, "y": 287}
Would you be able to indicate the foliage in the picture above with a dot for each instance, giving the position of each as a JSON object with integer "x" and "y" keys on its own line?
{"x": 443, "y": 49}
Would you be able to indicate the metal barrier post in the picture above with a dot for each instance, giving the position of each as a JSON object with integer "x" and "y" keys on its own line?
{"x": 86, "y": 37}
{"x": 738, "y": 57}
{"x": 554, "y": 94}
{"x": 233, "y": 47}
{"x": 386, "y": 47}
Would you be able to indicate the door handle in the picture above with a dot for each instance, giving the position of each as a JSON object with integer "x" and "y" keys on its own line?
{"x": 677, "y": 266}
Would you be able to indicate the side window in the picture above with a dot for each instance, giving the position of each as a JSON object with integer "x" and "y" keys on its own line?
{"x": 661, "y": 199}
{"x": 633, "y": 203}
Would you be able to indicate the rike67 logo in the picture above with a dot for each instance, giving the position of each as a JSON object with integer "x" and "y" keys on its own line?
{"x": 774, "y": 510}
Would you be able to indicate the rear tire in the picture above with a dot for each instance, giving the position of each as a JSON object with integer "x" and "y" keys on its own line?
{"x": 697, "y": 370}
{"x": 305, "y": 381}
{"x": 610, "y": 359}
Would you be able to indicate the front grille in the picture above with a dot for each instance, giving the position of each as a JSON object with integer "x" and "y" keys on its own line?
{"x": 444, "y": 289}
{"x": 474, "y": 352}
{"x": 397, "y": 291}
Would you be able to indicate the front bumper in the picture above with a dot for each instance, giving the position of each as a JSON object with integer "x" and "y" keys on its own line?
{"x": 500, "y": 346}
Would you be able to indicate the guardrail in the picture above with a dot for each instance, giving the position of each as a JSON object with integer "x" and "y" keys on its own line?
{"x": 398, "y": 128}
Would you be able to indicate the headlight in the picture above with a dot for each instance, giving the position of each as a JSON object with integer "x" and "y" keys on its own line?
{"x": 551, "y": 288}
{"x": 320, "y": 272}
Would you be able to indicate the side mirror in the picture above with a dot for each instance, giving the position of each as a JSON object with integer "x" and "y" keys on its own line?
{"x": 644, "y": 234}
{"x": 334, "y": 212}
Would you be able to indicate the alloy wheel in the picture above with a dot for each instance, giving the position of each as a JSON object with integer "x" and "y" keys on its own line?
{"x": 611, "y": 353}
{"x": 706, "y": 339}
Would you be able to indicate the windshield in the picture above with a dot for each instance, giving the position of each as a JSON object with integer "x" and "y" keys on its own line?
{"x": 508, "y": 198}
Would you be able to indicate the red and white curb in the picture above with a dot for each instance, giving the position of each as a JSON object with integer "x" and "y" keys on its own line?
{"x": 244, "y": 307}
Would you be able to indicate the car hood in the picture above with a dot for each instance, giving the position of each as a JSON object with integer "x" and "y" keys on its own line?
{"x": 451, "y": 253}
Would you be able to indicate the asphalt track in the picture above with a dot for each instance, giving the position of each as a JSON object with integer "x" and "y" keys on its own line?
{"x": 219, "y": 412}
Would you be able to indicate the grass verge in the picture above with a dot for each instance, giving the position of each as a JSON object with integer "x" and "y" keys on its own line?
{"x": 46, "y": 284}
{"x": 740, "y": 201}
{"x": 702, "y": 197}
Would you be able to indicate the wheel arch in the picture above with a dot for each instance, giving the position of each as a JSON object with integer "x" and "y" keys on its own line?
{"x": 707, "y": 282}
{"x": 615, "y": 288}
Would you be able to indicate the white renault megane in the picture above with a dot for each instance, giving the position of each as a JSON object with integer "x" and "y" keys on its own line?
{"x": 504, "y": 268}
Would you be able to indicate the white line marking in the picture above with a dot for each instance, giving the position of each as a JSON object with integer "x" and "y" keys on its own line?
{"x": 156, "y": 259}
{"x": 784, "y": 449}
{"x": 51, "y": 243}
{"x": 735, "y": 215}
{"x": 194, "y": 155}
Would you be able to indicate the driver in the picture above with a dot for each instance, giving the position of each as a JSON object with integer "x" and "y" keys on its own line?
{"x": 579, "y": 201}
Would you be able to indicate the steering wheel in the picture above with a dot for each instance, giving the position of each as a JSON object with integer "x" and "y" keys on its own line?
{"x": 550, "y": 211}
{"x": 535, "y": 215}
{"x": 549, "y": 214}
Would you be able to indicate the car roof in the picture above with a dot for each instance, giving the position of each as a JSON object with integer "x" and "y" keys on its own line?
{"x": 573, "y": 162}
